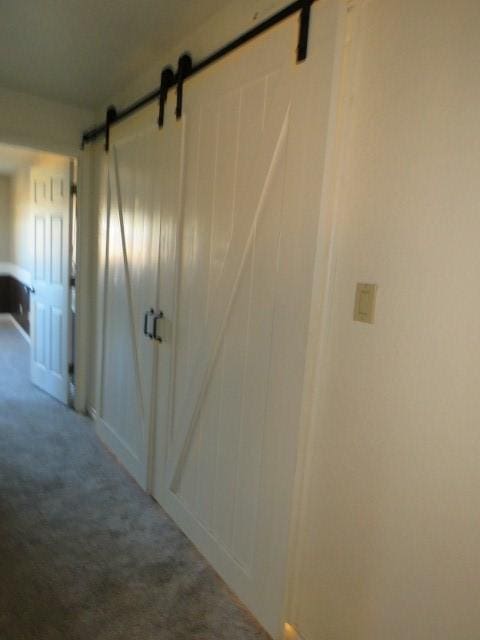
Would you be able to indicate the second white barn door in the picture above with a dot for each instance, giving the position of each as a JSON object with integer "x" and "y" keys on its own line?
{"x": 226, "y": 441}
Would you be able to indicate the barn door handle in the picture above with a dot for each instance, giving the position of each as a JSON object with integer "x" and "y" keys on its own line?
{"x": 158, "y": 317}
{"x": 145, "y": 323}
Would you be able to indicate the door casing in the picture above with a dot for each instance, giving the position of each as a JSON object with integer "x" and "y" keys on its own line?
{"x": 85, "y": 294}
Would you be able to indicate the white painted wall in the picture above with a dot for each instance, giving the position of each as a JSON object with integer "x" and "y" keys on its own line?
{"x": 4, "y": 218}
{"x": 42, "y": 124}
{"x": 21, "y": 227}
{"x": 391, "y": 545}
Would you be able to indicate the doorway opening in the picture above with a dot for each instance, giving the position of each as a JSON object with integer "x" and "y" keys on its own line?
{"x": 38, "y": 249}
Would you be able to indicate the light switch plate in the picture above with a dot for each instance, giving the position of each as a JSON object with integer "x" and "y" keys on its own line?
{"x": 365, "y": 303}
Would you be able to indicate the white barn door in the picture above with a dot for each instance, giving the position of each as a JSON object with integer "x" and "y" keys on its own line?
{"x": 226, "y": 439}
{"x": 133, "y": 225}
{"x": 50, "y": 301}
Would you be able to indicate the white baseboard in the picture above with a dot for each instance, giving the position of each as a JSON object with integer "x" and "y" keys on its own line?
{"x": 122, "y": 451}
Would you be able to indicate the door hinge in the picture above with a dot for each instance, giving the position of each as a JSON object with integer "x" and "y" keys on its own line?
{"x": 71, "y": 369}
{"x": 73, "y": 189}
{"x": 73, "y": 281}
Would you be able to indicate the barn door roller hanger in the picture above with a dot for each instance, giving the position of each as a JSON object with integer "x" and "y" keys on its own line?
{"x": 186, "y": 69}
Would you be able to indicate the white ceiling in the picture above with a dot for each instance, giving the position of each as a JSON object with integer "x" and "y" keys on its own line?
{"x": 83, "y": 51}
{"x": 14, "y": 158}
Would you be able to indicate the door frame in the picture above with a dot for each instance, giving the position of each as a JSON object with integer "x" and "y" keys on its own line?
{"x": 84, "y": 296}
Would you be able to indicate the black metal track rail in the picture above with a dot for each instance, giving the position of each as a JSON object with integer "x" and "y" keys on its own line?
{"x": 186, "y": 69}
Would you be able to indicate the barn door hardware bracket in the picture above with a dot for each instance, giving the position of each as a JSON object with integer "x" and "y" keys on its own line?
{"x": 158, "y": 317}
{"x": 185, "y": 66}
{"x": 110, "y": 118}
{"x": 167, "y": 81}
{"x": 302, "y": 49}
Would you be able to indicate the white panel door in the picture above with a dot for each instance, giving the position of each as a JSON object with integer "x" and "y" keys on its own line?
{"x": 226, "y": 438}
{"x": 134, "y": 223}
{"x": 50, "y": 324}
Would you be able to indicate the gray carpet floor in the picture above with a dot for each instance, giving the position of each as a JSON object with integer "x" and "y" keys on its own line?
{"x": 84, "y": 553}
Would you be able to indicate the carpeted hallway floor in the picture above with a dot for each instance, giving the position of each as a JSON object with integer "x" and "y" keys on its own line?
{"x": 84, "y": 553}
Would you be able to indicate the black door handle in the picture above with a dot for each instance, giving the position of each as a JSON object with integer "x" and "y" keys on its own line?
{"x": 158, "y": 317}
{"x": 145, "y": 323}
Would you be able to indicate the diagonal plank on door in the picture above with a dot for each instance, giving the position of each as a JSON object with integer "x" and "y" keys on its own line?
{"x": 131, "y": 313}
{"x": 271, "y": 147}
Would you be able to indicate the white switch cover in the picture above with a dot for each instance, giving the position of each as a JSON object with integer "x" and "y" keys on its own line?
{"x": 365, "y": 303}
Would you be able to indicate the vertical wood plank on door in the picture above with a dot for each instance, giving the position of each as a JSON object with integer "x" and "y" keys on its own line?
{"x": 197, "y": 275}
{"x": 205, "y": 203}
{"x": 226, "y": 177}
{"x": 187, "y": 259}
{"x": 234, "y": 405}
